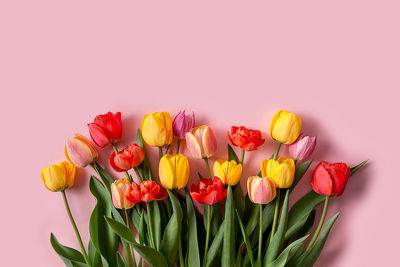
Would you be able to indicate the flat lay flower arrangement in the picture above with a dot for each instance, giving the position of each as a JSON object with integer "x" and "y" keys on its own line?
{"x": 163, "y": 227}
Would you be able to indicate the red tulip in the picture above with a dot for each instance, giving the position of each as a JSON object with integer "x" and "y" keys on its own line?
{"x": 106, "y": 128}
{"x": 151, "y": 190}
{"x": 330, "y": 178}
{"x": 208, "y": 191}
{"x": 133, "y": 194}
{"x": 128, "y": 158}
{"x": 246, "y": 139}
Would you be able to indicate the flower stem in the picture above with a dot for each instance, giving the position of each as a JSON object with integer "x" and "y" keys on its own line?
{"x": 260, "y": 236}
{"x": 278, "y": 147}
{"x": 78, "y": 236}
{"x": 208, "y": 167}
{"x": 208, "y": 233}
{"x": 138, "y": 174}
{"x": 242, "y": 156}
{"x": 181, "y": 260}
{"x": 178, "y": 145}
{"x": 277, "y": 199}
{"x": 128, "y": 247}
{"x": 150, "y": 225}
{"x": 160, "y": 153}
{"x": 321, "y": 222}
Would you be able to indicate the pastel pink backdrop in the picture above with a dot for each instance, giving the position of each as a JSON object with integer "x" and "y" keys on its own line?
{"x": 334, "y": 63}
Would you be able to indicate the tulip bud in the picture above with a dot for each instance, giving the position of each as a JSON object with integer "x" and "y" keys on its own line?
{"x": 201, "y": 142}
{"x": 246, "y": 139}
{"x": 120, "y": 189}
{"x": 79, "y": 151}
{"x": 182, "y": 124}
{"x": 303, "y": 147}
{"x": 59, "y": 176}
{"x": 228, "y": 171}
{"x": 261, "y": 190}
{"x": 157, "y": 129}
{"x": 106, "y": 128}
{"x": 209, "y": 191}
{"x": 128, "y": 158}
{"x": 151, "y": 190}
{"x": 281, "y": 171}
{"x": 285, "y": 127}
{"x": 174, "y": 171}
{"x": 330, "y": 178}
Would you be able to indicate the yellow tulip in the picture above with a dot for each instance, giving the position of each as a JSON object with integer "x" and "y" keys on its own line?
{"x": 285, "y": 127}
{"x": 228, "y": 171}
{"x": 157, "y": 129}
{"x": 174, "y": 171}
{"x": 59, "y": 176}
{"x": 281, "y": 171}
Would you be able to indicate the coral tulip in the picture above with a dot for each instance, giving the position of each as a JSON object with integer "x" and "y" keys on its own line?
{"x": 208, "y": 191}
{"x": 303, "y": 147}
{"x": 261, "y": 190}
{"x": 121, "y": 194}
{"x": 182, "y": 124}
{"x": 128, "y": 158}
{"x": 246, "y": 139}
{"x": 228, "y": 171}
{"x": 79, "y": 151}
{"x": 174, "y": 171}
{"x": 151, "y": 190}
{"x": 106, "y": 128}
{"x": 281, "y": 171}
{"x": 157, "y": 129}
{"x": 59, "y": 176}
{"x": 285, "y": 127}
{"x": 201, "y": 142}
{"x": 330, "y": 178}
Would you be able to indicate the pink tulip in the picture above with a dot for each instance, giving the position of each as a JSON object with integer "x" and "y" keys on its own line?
{"x": 261, "y": 190}
{"x": 201, "y": 142}
{"x": 79, "y": 151}
{"x": 303, "y": 147}
{"x": 182, "y": 124}
{"x": 121, "y": 191}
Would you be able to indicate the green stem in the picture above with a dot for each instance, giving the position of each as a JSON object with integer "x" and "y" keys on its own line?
{"x": 128, "y": 247}
{"x": 242, "y": 156}
{"x": 277, "y": 150}
{"x": 138, "y": 174}
{"x": 178, "y": 145}
{"x": 78, "y": 236}
{"x": 150, "y": 225}
{"x": 208, "y": 168}
{"x": 260, "y": 233}
{"x": 321, "y": 222}
{"x": 208, "y": 232}
{"x": 277, "y": 199}
{"x": 160, "y": 153}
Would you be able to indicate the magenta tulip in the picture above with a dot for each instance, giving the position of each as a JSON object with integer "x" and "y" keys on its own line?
{"x": 303, "y": 147}
{"x": 182, "y": 124}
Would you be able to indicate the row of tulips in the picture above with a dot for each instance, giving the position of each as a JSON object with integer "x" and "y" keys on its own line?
{"x": 253, "y": 229}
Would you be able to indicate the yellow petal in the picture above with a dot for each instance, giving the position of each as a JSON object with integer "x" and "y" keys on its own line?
{"x": 167, "y": 172}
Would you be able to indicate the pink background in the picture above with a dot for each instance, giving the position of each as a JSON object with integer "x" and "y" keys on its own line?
{"x": 334, "y": 63}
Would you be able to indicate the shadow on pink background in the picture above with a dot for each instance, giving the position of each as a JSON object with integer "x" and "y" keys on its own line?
{"x": 335, "y": 64}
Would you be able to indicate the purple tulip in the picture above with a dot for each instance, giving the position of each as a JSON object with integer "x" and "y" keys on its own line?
{"x": 303, "y": 147}
{"x": 182, "y": 124}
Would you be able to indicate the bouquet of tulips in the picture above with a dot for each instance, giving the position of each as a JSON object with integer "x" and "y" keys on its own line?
{"x": 146, "y": 218}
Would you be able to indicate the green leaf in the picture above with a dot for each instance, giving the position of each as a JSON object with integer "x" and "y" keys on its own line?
{"x": 232, "y": 155}
{"x": 94, "y": 256}
{"x": 193, "y": 255}
{"x": 66, "y": 252}
{"x": 142, "y": 229}
{"x": 305, "y": 229}
{"x": 169, "y": 244}
{"x": 215, "y": 245}
{"x": 356, "y": 168}
{"x": 154, "y": 209}
{"x": 238, "y": 198}
{"x": 120, "y": 260}
{"x": 246, "y": 239}
{"x": 299, "y": 173}
{"x": 278, "y": 238}
{"x": 228, "y": 248}
{"x": 268, "y": 216}
{"x": 288, "y": 253}
{"x": 144, "y": 167}
{"x": 150, "y": 255}
{"x": 105, "y": 177}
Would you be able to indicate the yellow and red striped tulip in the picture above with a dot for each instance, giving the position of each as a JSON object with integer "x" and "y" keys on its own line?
{"x": 157, "y": 129}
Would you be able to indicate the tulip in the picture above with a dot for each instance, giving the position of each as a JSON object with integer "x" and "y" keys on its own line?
{"x": 128, "y": 158}
{"x": 174, "y": 171}
{"x": 151, "y": 190}
{"x": 209, "y": 191}
{"x": 246, "y": 139}
{"x": 261, "y": 190}
{"x": 121, "y": 191}
{"x": 182, "y": 124}
{"x": 106, "y": 129}
{"x": 79, "y": 151}
{"x": 201, "y": 142}
{"x": 228, "y": 171}
{"x": 281, "y": 171}
{"x": 303, "y": 147}
{"x": 285, "y": 127}
{"x": 133, "y": 193}
{"x": 59, "y": 176}
{"x": 330, "y": 178}
{"x": 157, "y": 129}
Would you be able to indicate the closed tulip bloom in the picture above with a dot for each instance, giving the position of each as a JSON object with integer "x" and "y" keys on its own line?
{"x": 79, "y": 151}
{"x": 261, "y": 190}
{"x": 330, "y": 178}
{"x": 106, "y": 128}
{"x": 228, "y": 171}
{"x": 285, "y": 127}
{"x": 280, "y": 171}
{"x": 119, "y": 193}
{"x": 59, "y": 176}
{"x": 209, "y": 191}
{"x": 182, "y": 124}
{"x": 174, "y": 171}
{"x": 157, "y": 129}
{"x": 246, "y": 139}
{"x": 128, "y": 158}
{"x": 151, "y": 190}
{"x": 303, "y": 147}
{"x": 201, "y": 142}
